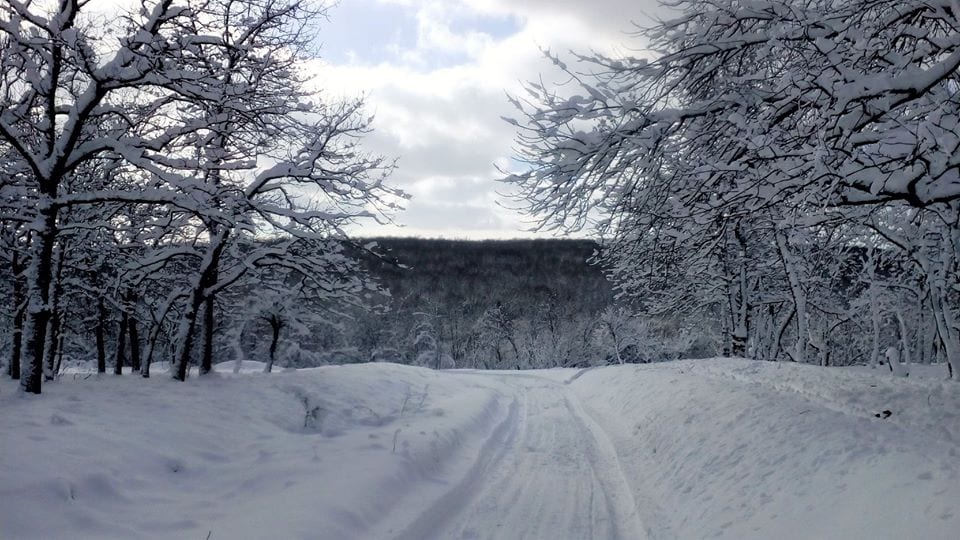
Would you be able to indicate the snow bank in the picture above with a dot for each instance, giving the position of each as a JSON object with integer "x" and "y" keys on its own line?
{"x": 246, "y": 366}
{"x": 744, "y": 449}
{"x": 692, "y": 449}
{"x": 320, "y": 453}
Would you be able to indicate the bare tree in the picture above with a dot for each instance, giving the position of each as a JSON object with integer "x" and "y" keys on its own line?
{"x": 194, "y": 108}
{"x": 771, "y": 123}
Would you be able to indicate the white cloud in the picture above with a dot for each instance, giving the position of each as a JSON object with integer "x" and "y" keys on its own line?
{"x": 436, "y": 74}
{"x": 443, "y": 120}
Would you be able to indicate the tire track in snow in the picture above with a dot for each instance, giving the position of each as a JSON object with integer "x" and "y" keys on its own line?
{"x": 548, "y": 471}
{"x": 491, "y": 452}
{"x": 604, "y": 458}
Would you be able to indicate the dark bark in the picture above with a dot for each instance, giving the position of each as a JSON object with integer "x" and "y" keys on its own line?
{"x": 38, "y": 306}
{"x": 52, "y": 349}
{"x": 56, "y": 368}
{"x": 53, "y": 338}
{"x": 181, "y": 358}
{"x": 145, "y": 367}
{"x": 726, "y": 336}
{"x": 198, "y": 296}
{"x": 210, "y": 278}
{"x": 101, "y": 338}
{"x": 120, "y": 357}
{"x": 20, "y": 310}
{"x": 134, "y": 344}
{"x": 209, "y": 324}
{"x": 152, "y": 338}
{"x": 780, "y": 334}
{"x": 438, "y": 349}
{"x": 275, "y": 326}
{"x": 740, "y": 331}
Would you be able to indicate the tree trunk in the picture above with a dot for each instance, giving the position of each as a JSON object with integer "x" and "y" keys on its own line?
{"x": 19, "y": 307}
{"x": 775, "y": 348}
{"x": 152, "y": 337}
{"x": 274, "y": 339}
{"x": 948, "y": 336}
{"x": 726, "y": 337}
{"x": 616, "y": 341}
{"x": 206, "y": 279}
{"x": 907, "y": 356}
{"x": 121, "y": 353}
{"x": 209, "y": 322}
{"x": 516, "y": 350}
{"x": 740, "y": 334}
{"x": 875, "y": 321}
{"x": 101, "y": 338}
{"x": 929, "y": 344}
{"x": 56, "y": 368}
{"x": 438, "y": 350}
{"x": 772, "y": 331}
{"x": 55, "y": 322}
{"x": 51, "y": 347}
{"x": 738, "y": 345}
{"x": 184, "y": 343}
{"x": 818, "y": 340}
{"x": 134, "y": 344}
{"x": 893, "y": 360}
{"x": 799, "y": 352}
{"x": 39, "y": 275}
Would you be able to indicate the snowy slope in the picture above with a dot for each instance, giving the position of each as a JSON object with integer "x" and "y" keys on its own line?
{"x": 312, "y": 454}
{"x": 744, "y": 449}
{"x": 679, "y": 450}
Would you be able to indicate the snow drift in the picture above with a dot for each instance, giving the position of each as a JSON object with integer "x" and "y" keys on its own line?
{"x": 727, "y": 448}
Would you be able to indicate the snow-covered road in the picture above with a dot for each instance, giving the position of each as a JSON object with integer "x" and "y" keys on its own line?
{"x": 717, "y": 448}
{"x": 547, "y": 471}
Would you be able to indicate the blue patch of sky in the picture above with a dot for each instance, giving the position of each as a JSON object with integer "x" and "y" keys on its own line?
{"x": 496, "y": 26}
{"x": 368, "y": 32}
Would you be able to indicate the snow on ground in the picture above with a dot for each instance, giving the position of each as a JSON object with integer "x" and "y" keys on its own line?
{"x": 745, "y": 449}
{"x": 245, "y": 366}
{"x": 319, "y": 453}
{"x": 727, "y": 448}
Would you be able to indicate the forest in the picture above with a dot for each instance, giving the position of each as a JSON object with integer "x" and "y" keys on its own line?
{"x": 173, "y": 190}
{"x": 494, "y": 304}
{"x": 439, "y": 303}
{"x": 785, "y": 168}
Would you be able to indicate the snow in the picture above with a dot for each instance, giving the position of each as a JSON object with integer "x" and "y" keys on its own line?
{"x": 745, "y": 449}
{"x": 246, "y": 366}
{"x": 727, "y": 448}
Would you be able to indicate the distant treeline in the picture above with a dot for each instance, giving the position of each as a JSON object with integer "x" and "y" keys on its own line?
{"x": 441, "y": 303}
{"x": 435, "y": 303}
{"x": 491, "y": 304}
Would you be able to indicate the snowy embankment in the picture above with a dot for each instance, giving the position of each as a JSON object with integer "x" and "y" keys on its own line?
{"x": 745, "y": 449}
{"x": 677, "y": 450}
{"x": 323, "y": 453}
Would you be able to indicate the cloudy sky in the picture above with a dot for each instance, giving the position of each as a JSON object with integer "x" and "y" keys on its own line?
{"x": 436, "y": 73}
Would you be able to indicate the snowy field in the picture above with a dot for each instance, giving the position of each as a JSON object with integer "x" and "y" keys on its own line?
{"x": 691, "y": 449}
